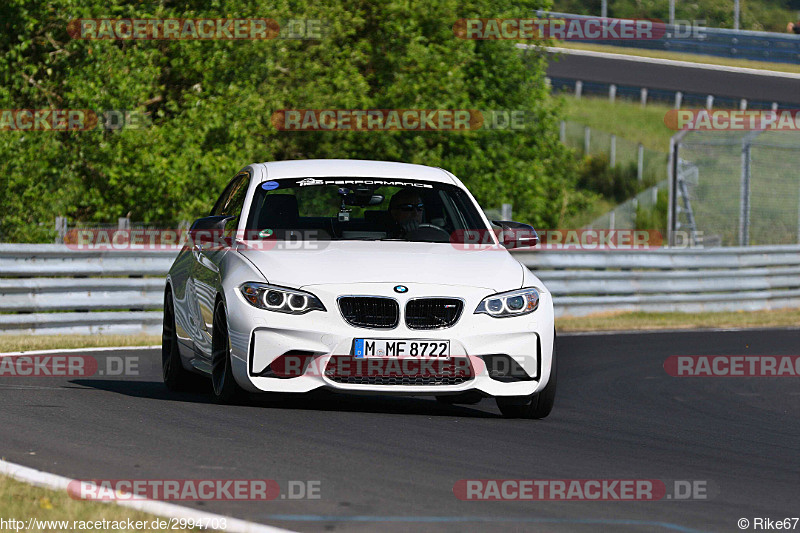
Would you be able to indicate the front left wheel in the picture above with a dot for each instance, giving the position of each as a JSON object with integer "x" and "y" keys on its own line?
{"x": 224, "y": 386}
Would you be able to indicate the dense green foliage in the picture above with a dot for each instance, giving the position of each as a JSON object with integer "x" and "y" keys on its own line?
{"x": 616, "y": 184}
{"x": 760, "y": 15}
{"x": 655, "y": 217}
{"x": 210, "y": 104}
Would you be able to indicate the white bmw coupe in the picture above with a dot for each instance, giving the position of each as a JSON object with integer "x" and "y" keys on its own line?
{"x": 360, "y": 277}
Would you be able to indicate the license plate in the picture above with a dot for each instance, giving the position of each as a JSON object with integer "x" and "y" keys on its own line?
{"x": 364, "y": 348}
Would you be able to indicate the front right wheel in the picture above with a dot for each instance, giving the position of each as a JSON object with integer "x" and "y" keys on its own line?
{"x": 225, "y": 388}
{"x": 537, "y": 405}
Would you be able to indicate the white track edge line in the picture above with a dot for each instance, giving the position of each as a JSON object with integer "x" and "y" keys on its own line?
{"x": 168, "y": 510}
{"x": 668, "y": 62}
{"x": 81, "y": 350}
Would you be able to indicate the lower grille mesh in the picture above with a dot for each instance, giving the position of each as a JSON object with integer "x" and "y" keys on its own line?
{"x": 386, "y": 371}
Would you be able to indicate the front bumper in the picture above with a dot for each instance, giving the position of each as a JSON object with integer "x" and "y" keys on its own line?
{"x": 260, "y": 338}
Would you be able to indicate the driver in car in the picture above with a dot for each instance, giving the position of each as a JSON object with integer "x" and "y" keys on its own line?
{"x": 406, "y": 208}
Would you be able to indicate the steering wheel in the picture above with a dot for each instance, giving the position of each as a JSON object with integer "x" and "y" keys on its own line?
{"x": 431, "y": 232}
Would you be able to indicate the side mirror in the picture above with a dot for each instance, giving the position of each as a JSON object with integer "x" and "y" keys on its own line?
{"x": 516, "y": 234}
{"x": 211, "y": 223}
{"x": 210, "y": 231}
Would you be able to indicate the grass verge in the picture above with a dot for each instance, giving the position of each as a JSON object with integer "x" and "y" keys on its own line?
{"x": 625, "y": 119}
{"x": 24, "y": 343}
{"x": 655, "y": 321}
{"x": 600, "y": 322}
{"x": 677, "y": 56}
{"x": 21, "y": 502}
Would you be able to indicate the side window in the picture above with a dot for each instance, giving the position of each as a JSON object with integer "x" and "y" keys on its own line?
{"x": 231, "y": 200}
{"x": 223, "y": 199}
{"x": 236, "y": 201}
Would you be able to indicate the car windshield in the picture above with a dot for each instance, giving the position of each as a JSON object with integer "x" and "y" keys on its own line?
{"x": 362, "y": 209}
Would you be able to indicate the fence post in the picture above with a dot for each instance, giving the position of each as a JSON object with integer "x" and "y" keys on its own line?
{"x": 672, "y": 181}
{"x": 612, "y": 157}
{"x": 123, "y": 223}
{"x": 643, "y": 97}
{"x": 709, "y": 102}
{"x": 505, "y": 212}
{"x": 61, "y": 229}
{"x": 678, "y": 99}
{"x": 562, "y": 131}
{"x": 774, "y": 106}
{"x": 744, "y": 198}
{"x": 743, "y": 104}
{"x": 578, "y": 89}
{"x": 612, "y": 219}
{"x": 640, "y": 162}
{"x": 612, "y": 93}
{"x": 587, "y": 138}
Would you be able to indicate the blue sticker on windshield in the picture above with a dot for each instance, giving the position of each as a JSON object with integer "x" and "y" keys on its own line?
{"x": 269, "y": 185}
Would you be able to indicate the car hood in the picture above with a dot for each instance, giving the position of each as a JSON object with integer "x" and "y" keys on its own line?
{"x": 337, "y": 262}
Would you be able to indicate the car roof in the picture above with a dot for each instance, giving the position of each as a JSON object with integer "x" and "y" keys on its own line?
{"x": 353, "y": 168}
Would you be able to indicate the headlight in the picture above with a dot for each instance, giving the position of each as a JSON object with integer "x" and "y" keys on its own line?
{"x": 514, "y": 303}
{"x": 280, "y": 299}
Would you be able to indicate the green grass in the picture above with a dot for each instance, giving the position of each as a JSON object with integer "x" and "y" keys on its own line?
{"x": 654, "y": 321}
{"x": 21, "y": 501}
{"x": 715, "y": 200}
{"x": 623, "y": 118}
{"x": 585, "y": 217}
{"x": 774, "y": 186}
{"x": 632, "y": 125}
{"x": 677, "y": 56}
{"x": 23, "y": 343}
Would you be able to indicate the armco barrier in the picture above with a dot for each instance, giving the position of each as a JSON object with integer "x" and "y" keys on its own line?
{"x": 47, "y": 288}
{"x": 720, "y": 42}
{"x": 690, "y": 280}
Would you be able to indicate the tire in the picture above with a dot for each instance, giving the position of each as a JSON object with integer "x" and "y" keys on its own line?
{"x": 175, "y": 376}
{"x": 224, "y": 388}
{"x": 536, "y": 406}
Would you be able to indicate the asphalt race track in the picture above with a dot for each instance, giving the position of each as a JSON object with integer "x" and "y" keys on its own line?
{"x": 638, "y": 73}
{"x": 391, "y": 463}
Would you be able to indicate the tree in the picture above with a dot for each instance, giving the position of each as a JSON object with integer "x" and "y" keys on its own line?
{"x": 210, "y": 104}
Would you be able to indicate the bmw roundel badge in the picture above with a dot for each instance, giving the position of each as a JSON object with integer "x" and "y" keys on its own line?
{"x": 400, "y": 288}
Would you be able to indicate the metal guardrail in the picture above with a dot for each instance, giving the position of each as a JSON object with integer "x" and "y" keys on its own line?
{"x": 50, "y": 289}
{"x": 720, "y": 42}
{"x": 689, "y": 280}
